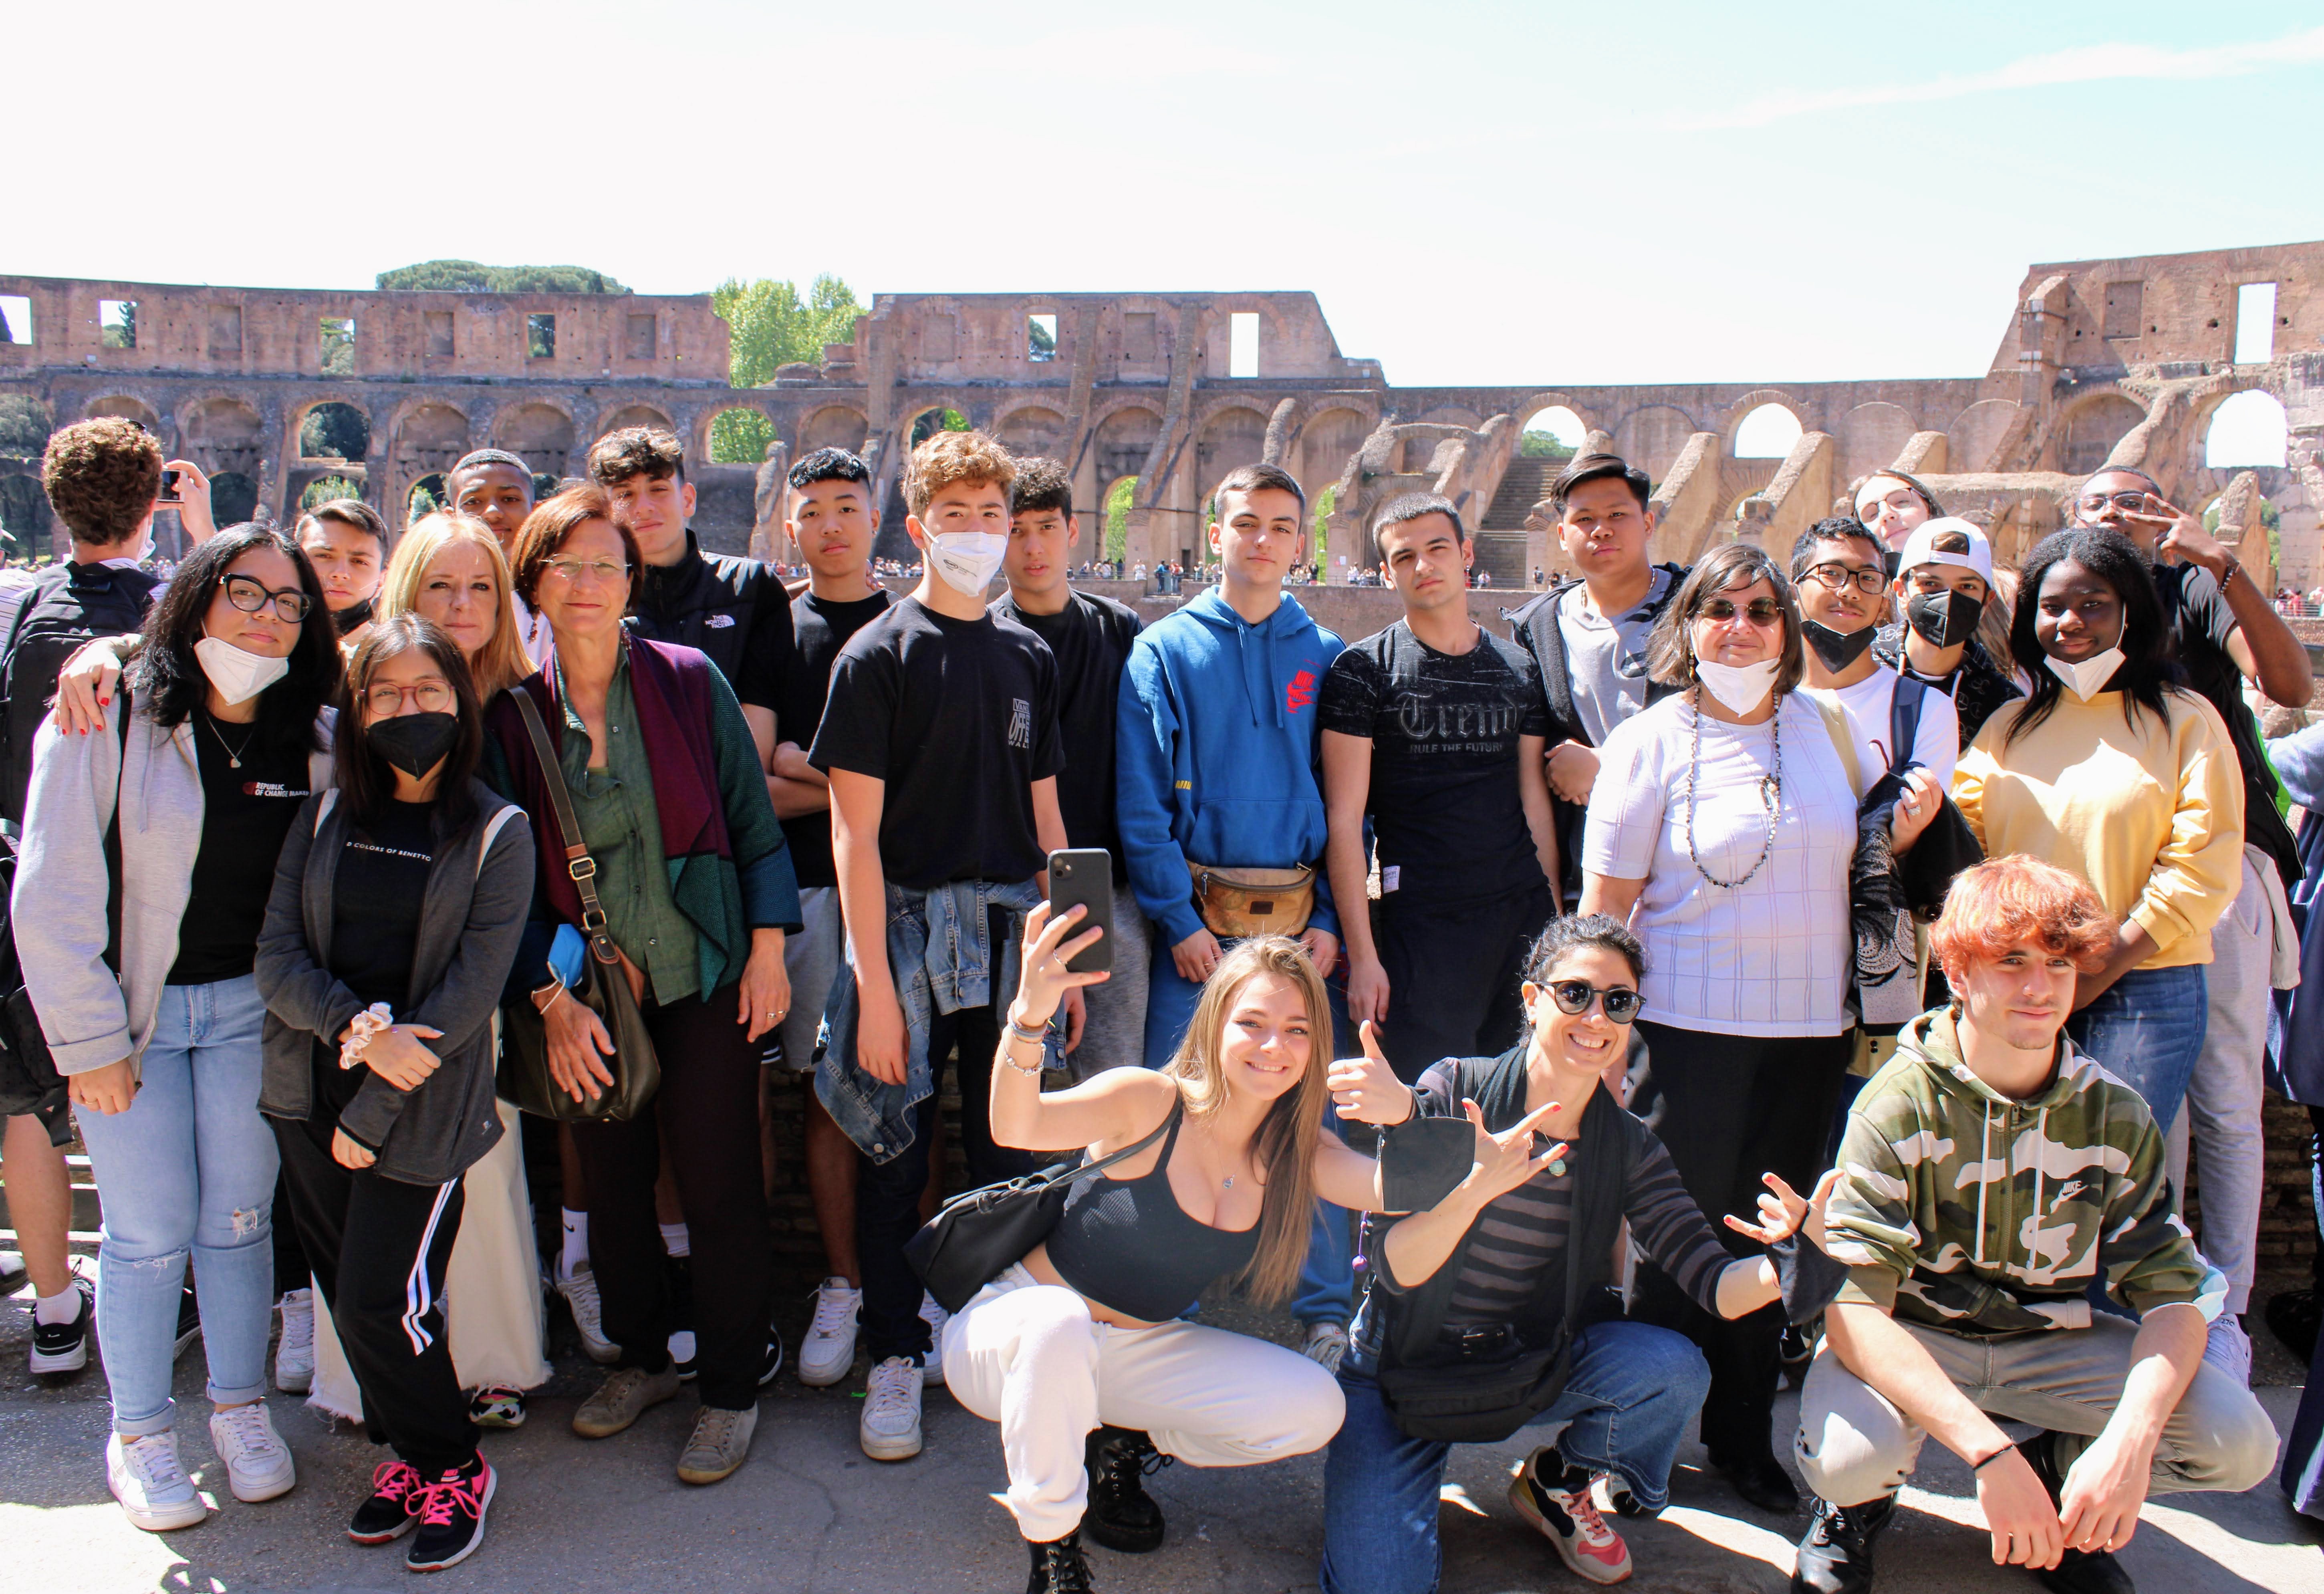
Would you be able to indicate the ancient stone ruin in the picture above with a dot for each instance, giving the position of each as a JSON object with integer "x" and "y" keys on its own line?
{"x": 2128, "y": 361}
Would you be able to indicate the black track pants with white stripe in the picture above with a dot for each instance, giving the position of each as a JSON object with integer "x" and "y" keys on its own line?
{"x": 380, "y": 1249}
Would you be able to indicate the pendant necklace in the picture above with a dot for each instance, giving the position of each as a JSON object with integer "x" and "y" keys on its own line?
{"x": 232, "y": 754}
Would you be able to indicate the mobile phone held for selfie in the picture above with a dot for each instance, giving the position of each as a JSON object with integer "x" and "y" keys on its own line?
{"x": 1082, "y": 877}
{"x": 169, "y": 493}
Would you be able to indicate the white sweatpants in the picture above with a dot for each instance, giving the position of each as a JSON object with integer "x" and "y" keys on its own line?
{"x": 1030, "y": 1356}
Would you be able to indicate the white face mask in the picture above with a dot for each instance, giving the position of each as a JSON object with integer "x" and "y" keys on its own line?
{"x": 1742, "y": 688}
{"x": 2087, "y": 679}
{"x": 239, "y": 676}
{"x": 968, "y": 559}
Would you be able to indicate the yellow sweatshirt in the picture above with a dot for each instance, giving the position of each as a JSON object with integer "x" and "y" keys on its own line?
{"x": 2151, "y": 816}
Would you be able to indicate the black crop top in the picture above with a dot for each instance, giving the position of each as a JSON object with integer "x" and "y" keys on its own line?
{"x": 1127, "y": 1244}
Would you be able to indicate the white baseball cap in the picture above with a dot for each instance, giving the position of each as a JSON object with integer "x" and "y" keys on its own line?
{"x": 1920, "y": 548}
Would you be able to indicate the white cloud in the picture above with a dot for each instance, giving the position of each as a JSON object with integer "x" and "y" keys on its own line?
{"x": 2094, "y": 63}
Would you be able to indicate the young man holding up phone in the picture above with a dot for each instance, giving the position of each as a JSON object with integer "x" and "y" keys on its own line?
{"x": 940, "y": 741}
{"x": 1090, "y": 637}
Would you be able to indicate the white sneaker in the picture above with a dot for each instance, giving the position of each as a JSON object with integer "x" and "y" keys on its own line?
{"x": 1327, "y": 1342}
{"x": 935, "y": 1317}
{"x": 827, "y": 1354}
{"x": 294, "y": 1354}
{"x": 889, "y": 1428}
{"x": 580, "y": 1293}
{"x": 2228, "y": 1348}
{"x": 144, "y": 1476}
{"x": 258, "y": 1464}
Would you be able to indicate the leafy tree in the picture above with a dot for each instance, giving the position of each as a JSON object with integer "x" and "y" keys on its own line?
{"x": 24, "y": 516}
{"x": 1117, "y": 516}
{"x": 771, "y": 326}
{"x": 339, "y": 336}
{"x": 933, "y": 421}
{"x": 25, "y": 424}
{"x": 1324, "y": 502}
{"x": 426, "y": 497}
{"x": 323, "y": 489}
{"x": 121, "y": 332}
{"x": 1543, "y": 446}
{"x": 335, "y": 431}
{"x": 468, "y": 276}
{"x": 1041, "y": 343}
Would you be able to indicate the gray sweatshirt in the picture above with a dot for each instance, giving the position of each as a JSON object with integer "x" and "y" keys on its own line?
{"x": 90, "y": 1017}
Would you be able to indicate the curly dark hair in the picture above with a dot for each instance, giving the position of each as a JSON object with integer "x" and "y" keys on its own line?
{"x": 2147, "y": 672}
{"x": 165, "y": 677}
{"x": 1042, "y": 483}
{"x": 362, "y": 773}
{"x": 636, "y": 451}
{"x": 102, "y": 477}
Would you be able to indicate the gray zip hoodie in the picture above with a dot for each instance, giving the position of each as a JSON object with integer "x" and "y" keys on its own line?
{"x": 91, "y": 1017}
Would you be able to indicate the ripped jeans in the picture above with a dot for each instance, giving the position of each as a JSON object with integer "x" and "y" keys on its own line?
{"x": 189, "y": 1167}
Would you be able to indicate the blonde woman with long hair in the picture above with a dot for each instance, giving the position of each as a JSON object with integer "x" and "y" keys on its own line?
{"x": 1080, "y": 1351}
{"x": 449, "y": 569}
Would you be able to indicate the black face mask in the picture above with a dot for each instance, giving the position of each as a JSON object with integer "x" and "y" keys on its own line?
{"x": 1837, "y": 649}
{"x": 414, "y": 744}
{"x": 1943, "y": 619}
{"x": 344, "y": 621}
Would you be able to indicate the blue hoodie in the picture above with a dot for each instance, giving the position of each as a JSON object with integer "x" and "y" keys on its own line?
{"x": 1216, "y": 759}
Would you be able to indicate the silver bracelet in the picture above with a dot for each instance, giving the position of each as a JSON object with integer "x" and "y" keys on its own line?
{"x": 1038, "y": 1036}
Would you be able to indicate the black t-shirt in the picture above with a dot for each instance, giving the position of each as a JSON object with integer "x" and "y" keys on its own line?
{"x": 959, "y": 717}
{"x": 820, "y": 628}
{"x": 376, "y": 905}
{"x": 734, "y": 609}
{"x": 2200, "y": 622}
{"x": 245, "y": 814}
{"x": 1091, "y": 637}
{"x": 1445, "y": 804}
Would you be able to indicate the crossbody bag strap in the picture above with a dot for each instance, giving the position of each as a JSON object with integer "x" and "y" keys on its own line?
{"x": 577, "y": 861}
{"x": 1111, "y": 1157}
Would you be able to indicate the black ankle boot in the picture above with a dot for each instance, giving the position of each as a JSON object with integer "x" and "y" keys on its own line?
{"x": 1122, "y": 1515}
{"x": 1835, "y": 1555}
{"x": 1059, "y": 1567}
{"x": 1760, "y": 1479}
{"x": 2077, "y": 1572}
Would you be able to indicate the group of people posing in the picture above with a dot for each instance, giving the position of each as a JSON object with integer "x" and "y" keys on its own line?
{"x": 1737, "y": 965}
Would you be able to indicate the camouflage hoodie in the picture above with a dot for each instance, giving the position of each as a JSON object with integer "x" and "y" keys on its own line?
{"x": 1965, "y": 1211}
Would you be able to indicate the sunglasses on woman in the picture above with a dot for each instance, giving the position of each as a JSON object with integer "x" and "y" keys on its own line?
{"x": 1573, "y": 997}
{"x": 1759, "y": 611}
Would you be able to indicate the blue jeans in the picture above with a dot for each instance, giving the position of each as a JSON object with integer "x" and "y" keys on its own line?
{"x": 2147, "y": 1031}
{"x": 1327, "y": 1280}
{"x": 1633, "y": 1391}
{"x": 189, "y": 1167}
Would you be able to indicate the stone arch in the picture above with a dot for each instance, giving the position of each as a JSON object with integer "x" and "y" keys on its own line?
{"x": 2088, "y": 432}
{"x": 1975, "y": 434}
{"x": 1031, "y": 428}
{"x": 1766, "y": 429}
{"x": 1326, "y": 443}
{"x": 127, "y": 407}
{"x": 234, "y": 498}
{"x": 539, "y": 432}
{"x": 635, "y": 415}
{"x": 733, "y": 434}
{"x": 1560, "y": 421}
{"x": 223, "y": 434}
{"x": 834, "y": 426}
{"x": 931, "y": 419}
{"x": 1124, "y": 440}
{"x": 430, "y": 438}
{"x": 332, "y": 428}
{"x": 2245, "y": 429}
{"x": 1231, "y": 437}
{"x": 1871, "y": 437}
{"x": 1652, "y": 436}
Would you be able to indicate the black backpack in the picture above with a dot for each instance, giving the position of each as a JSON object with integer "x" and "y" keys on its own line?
{"x": 43, "y": 625}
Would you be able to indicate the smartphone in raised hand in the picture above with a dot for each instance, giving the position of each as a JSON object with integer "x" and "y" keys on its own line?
{"x": 1082, "y": 877}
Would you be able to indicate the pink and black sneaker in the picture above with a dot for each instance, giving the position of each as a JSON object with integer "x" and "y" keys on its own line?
{"x": 1555, "y": 1499}
{"x": 393, "y": 1505}
{"x": 452, "y": 1516}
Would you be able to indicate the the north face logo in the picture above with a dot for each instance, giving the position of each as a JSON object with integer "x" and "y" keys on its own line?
{"x": 1301, "y": 692}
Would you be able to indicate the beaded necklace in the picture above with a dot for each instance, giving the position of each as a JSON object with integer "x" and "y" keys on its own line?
{"x": 1771, "y": 794}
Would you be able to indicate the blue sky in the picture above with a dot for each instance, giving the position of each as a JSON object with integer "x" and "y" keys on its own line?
{"x": 1478, "y": 193}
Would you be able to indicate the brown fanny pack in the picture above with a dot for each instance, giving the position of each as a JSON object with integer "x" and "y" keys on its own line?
{"x": 1236, "y": 903}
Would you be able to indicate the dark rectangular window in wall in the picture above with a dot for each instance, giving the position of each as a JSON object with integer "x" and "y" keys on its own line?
{"x": 336, "y": 336}
{"x": 1041, "y": 337}
{"x": 439, "y": 335}
{"x": 540, "y": 336}
{"x": 16, "y": 318}
{"x": 117, "y": 323}
{"x": 2125, "y": 309}
{"x": 1138, "y": 341}
{"x": 642, "y": 338}
{"x": 225, "y": 332}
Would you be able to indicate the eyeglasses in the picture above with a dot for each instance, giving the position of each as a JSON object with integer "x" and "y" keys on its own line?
{"x": 1573, "y": 997}
{"x": 250, "y": 596}
{"x": 1901, "y": 499}
{"x": 1868, "y": 579}
{"x": 1760, "y": 611}
{"x": 574, "y": 571}
{"x": 2091, "y": 503}
{"x": 428, "y": 696}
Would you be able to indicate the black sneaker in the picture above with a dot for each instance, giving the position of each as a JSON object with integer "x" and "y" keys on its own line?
{"x": 2295, "y": 1317}
{"x": 451, "y": 1517}
{"x": 1835, "y": 1555}
{"x": 63, "y": 1347}
{"x": 1120, "y": 1515}
{"x": 189, "y": 1321}
{"x": 394, "y": 1506}
{"x": 1059, "y": 1567}
{"x": 2077, "y": 1572}
{"x": 1761, "y": 1480}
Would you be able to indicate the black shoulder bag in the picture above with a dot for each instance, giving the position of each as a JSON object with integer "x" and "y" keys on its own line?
{"x": 605, "y": 990}
{"x": 978, "y": 1234}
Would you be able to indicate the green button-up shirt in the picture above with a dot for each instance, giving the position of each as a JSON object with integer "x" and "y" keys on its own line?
{"x": 623, "y": 830}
